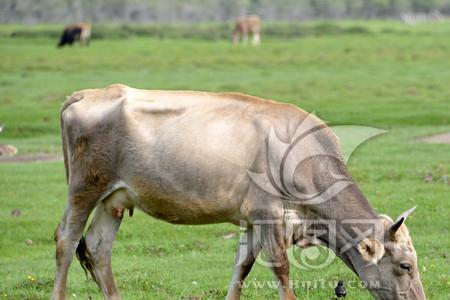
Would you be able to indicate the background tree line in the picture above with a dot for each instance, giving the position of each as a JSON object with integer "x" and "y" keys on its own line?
{"x": 150, "y": 11}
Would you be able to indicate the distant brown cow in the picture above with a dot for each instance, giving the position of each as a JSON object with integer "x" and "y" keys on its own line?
{"x": 244, "y": 27}
{"x": 76, "y": 32}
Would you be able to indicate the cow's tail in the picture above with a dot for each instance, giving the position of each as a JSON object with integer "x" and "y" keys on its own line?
{"x": 86, "y": 262}
{"x": 75, "y": 97}
{"x": 64, "y": 146}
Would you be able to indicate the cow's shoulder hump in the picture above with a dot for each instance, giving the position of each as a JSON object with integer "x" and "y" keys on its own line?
{"x": 93, "y": 105}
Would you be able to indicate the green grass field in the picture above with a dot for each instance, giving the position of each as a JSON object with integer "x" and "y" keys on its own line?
{"x": 396, "y": 78}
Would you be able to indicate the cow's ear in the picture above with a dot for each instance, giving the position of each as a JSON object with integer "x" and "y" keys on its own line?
{"x": 396, "y": 225}
{"x": 371, "y": 250}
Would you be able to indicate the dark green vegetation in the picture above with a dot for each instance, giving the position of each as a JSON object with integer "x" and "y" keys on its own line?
{"x": 138, "y": 11}
{"x": 395, "y": 78}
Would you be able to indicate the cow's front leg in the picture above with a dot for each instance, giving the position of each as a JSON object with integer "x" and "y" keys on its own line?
{"x": 256, "y": 39}
{"x": 271, "y": 235}
{"x": 248, "y": 250}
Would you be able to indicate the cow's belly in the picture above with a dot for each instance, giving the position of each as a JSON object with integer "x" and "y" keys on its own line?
{"x": 188, "y": 211}
{"x": 198, "y": 190}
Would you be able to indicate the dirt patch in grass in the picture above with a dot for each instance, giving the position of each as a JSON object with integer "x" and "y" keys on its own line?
{"x": 439, "y": 138}
{"x": 27, "y": 158}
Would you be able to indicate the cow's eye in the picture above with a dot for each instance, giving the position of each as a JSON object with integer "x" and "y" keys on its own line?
{"x": 405, "y": 267}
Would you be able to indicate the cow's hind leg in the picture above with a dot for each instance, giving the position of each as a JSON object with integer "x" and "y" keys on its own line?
{"x": 245, "y": 38}
{"x": 67, "y": 236}
{"x": 94, "y": 252}
{"x": 248, "y": 250}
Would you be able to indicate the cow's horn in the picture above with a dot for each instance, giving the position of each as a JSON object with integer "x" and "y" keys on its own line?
{"x": 400, "y": 220}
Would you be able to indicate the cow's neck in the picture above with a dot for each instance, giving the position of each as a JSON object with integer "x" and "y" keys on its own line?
{"x": 343, "y": 217}
{"x": 350, "y": 203}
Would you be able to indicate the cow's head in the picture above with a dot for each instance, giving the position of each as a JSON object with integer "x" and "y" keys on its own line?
{"x": 388, "y": 264}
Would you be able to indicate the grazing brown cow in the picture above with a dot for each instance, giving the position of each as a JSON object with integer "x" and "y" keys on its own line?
{"x": 76, "y": 32}
{"x": 244, "y": 27}
{"x": 198, "y": 158}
